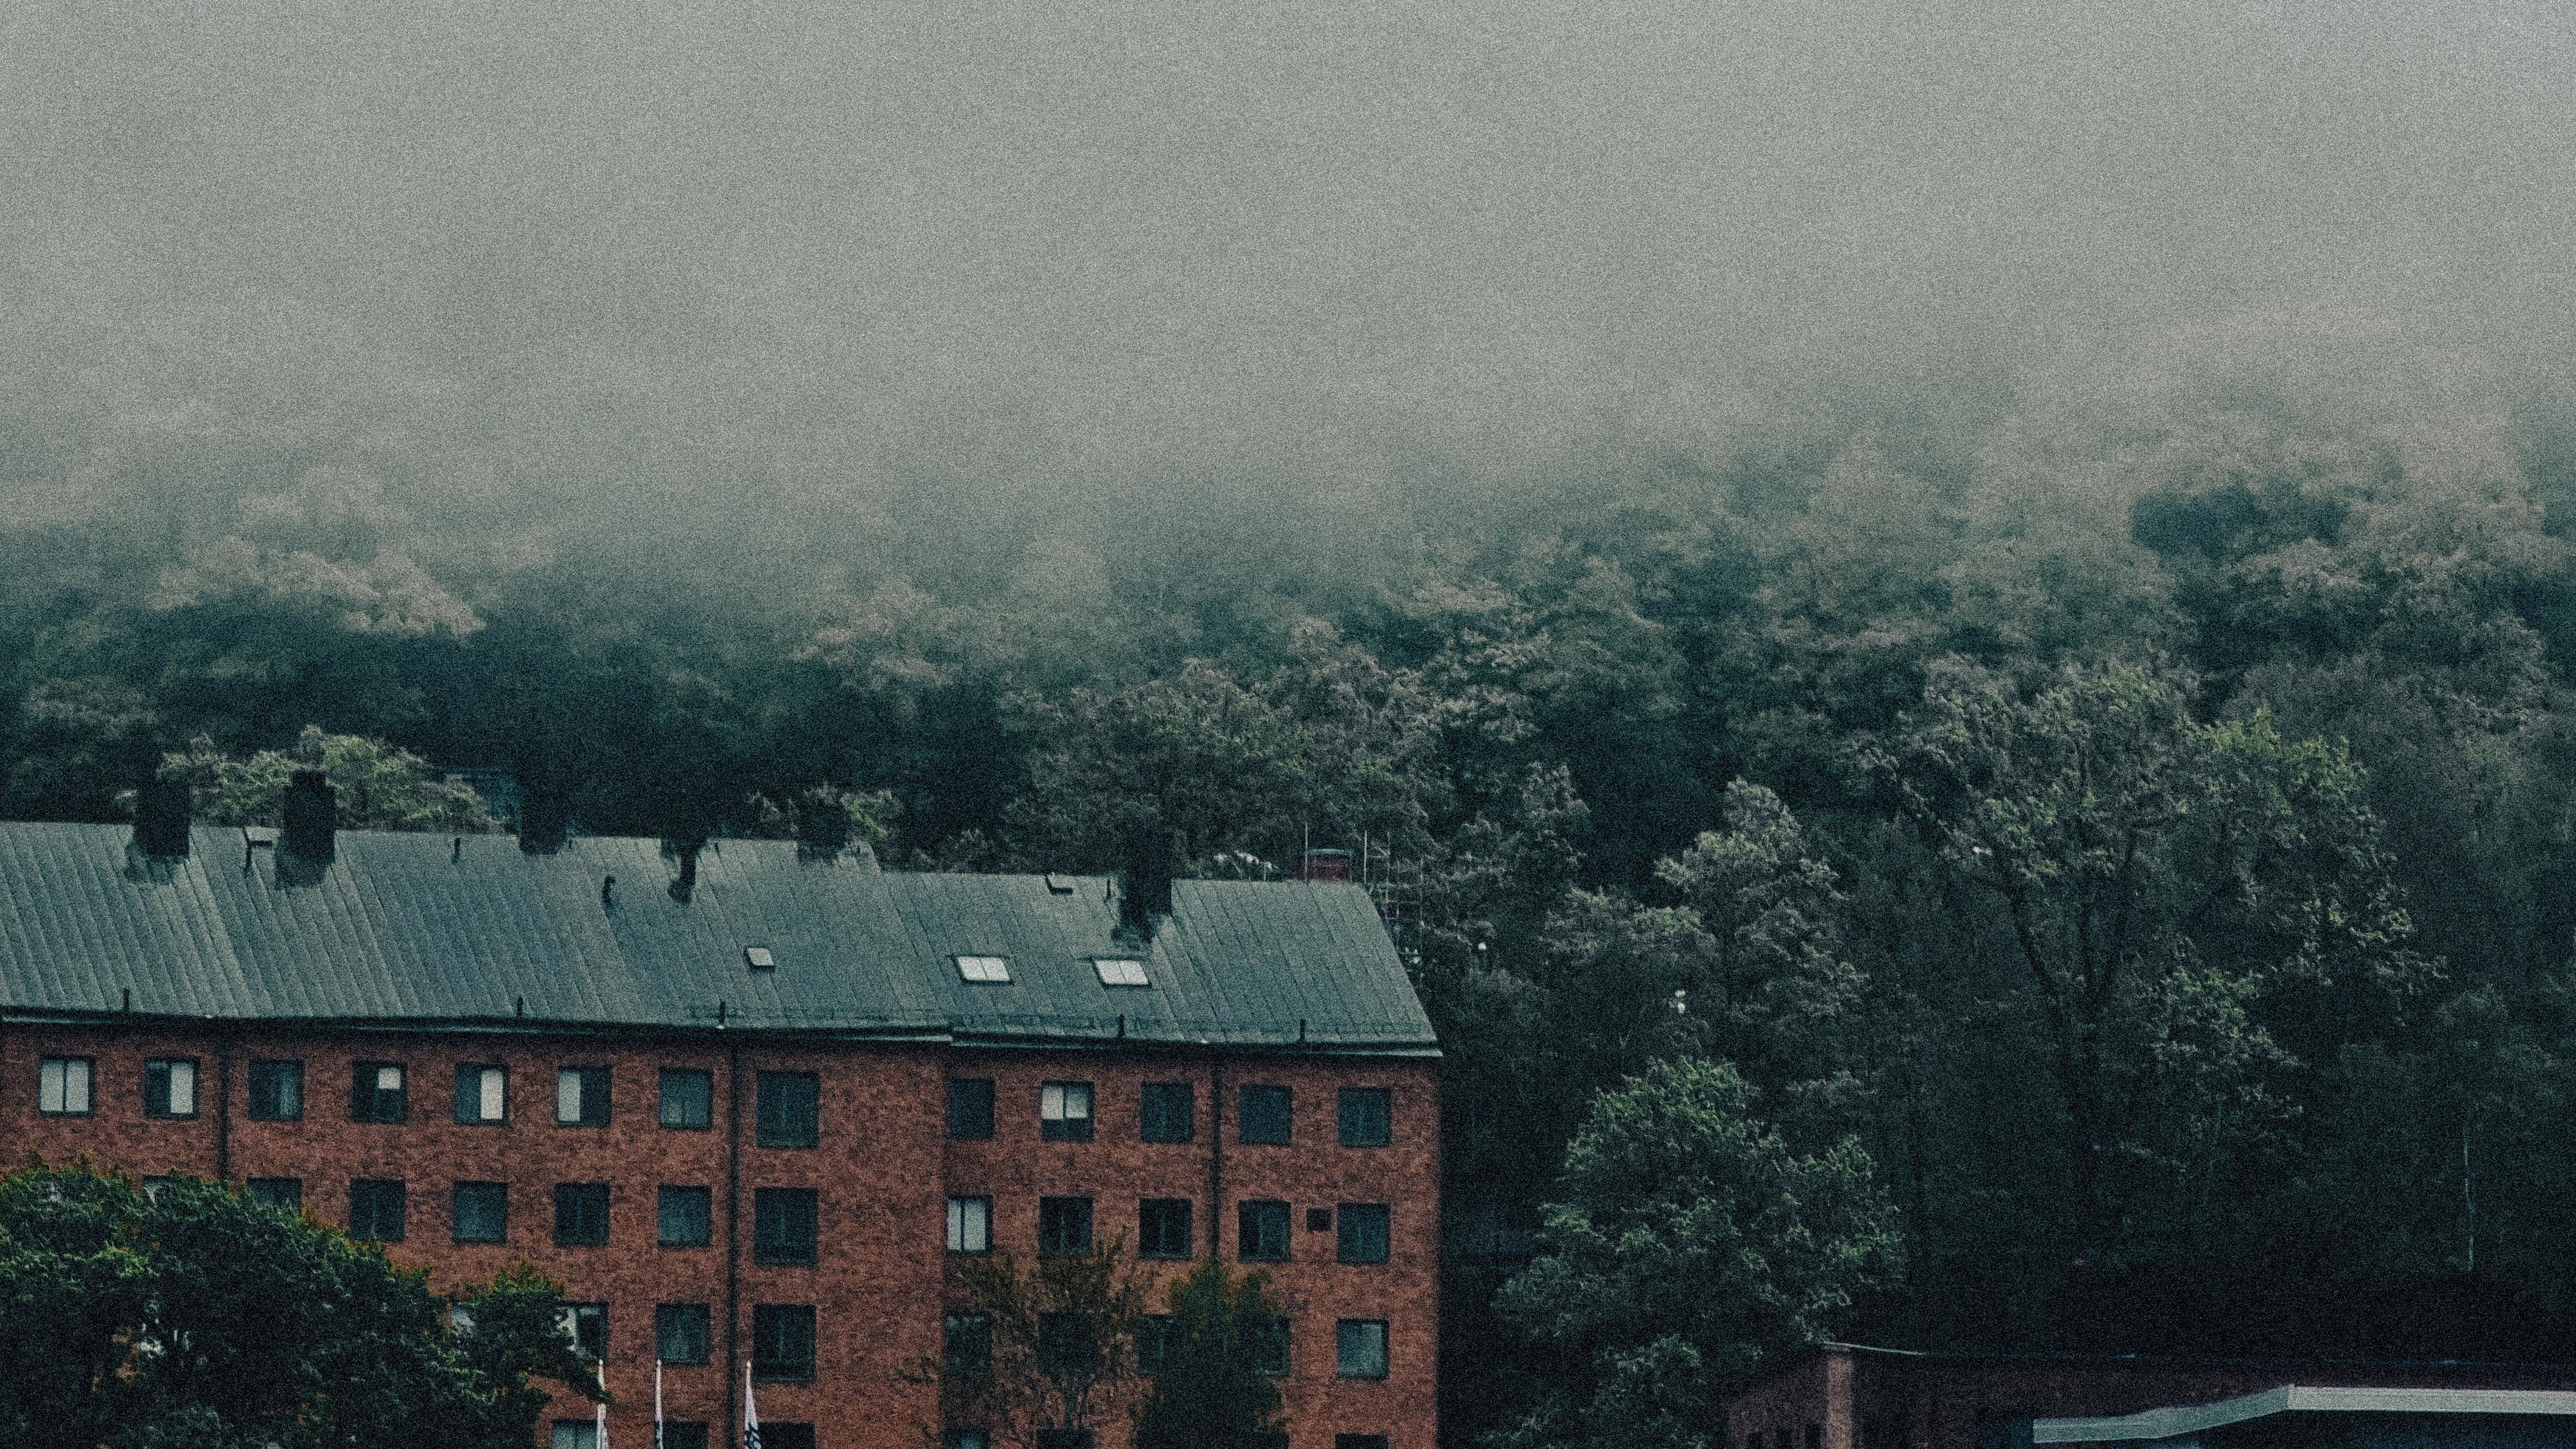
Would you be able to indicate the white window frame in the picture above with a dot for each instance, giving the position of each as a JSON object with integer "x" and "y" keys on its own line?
{"x": 984, "y": 970}
{"x": 970, "y": 1225}
{"x": 182, "y": 1077}
{"x": 491, "y": 1093}
{"x": 1057, "y": 1102}
{"x": 55, "y": 1080}
{"x": 1120, "y": 971}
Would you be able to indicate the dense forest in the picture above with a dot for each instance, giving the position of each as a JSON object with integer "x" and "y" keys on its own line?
{"x": 2126, "y": 814}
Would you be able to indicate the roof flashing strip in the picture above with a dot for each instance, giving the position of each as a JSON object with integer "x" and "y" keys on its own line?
{"x": 2175, "y": 1421}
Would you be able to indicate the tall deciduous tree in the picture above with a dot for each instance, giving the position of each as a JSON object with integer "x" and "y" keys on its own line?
{"x": 1210, "y": 1386}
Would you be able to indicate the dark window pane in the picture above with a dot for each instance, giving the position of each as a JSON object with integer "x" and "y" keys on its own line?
{"x": 581, "y": 1097}
{"x": 1064, "y": 1225}
{"x": 170, "y": 1088}
{"x": 1366, "y": 1117}
{"x": 782, "y": 1342}
{"x": 1163, "y": 1227}
{"x": 693, "y": 1435}
{"x": 1359, "y": 1350}
{"x": 1345, "y": 1441}
{"x": 581, "y": 1214}
{"x": 1261, "y": 1231}
{"x": 480, "y": 1212}
{"x": 788, "y": 1109}
{"x": 1170, "y": 1112}
{"x": 1319, "y": 1220}
{"x": 681, "y": 1332}
{"x": 277, "y": 1091}
{"x": 283, "y": 1193}
{"x": 1066, "y": 1345}
{"x": 969, "y": 1347}
{"x": 786, "y": 1436}
{"x": 1157, "y": 1334}
{"x": 588, "y": 1325}
{"x": 376, "y": 1210}
{"x": 1064, "y": 1439}
{"x": 1270, "y": 1346}
{"x": 782, "y": 1225}
{"x": 376, "y": 1092}
{"x": 1363, "y": 1232}
{"x": 684, "y": 1217}
{"x": 482, "y": 1093}
{"x": 1264, "y": 1116}
{"x": 688, "y": 1098}
{"x": 1064, "y": 1112}
{"x": 970, "y": 1108}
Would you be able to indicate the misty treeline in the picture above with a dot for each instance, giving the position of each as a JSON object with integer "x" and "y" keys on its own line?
{"x": 2139, "y": 821}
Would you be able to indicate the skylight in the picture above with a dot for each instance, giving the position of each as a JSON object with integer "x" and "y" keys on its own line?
{"x": 759, "y": 958}
{"x": 1120, "y": 971}
{"x": 984, "y": 968}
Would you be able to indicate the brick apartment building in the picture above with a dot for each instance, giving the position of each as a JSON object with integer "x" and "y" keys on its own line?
{"x": 752, "y": 1103}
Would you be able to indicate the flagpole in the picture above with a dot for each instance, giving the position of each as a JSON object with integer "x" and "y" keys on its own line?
{"x": 600, "y": 1417}
{"x": 657, "y": 1399}
{"x": 750, "y": 1412}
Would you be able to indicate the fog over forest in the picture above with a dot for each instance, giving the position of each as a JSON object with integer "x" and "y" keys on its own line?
{"x": 1687, "y": 485}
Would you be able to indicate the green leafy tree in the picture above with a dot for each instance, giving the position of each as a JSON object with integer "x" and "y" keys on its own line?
{"x": 1209, "y": 1387}
{"x": 1038, "y": 1345}
{"x": 1688, "y": 1248}
{"x": 187, "y": 1315}
{"x": 378, "y": 787}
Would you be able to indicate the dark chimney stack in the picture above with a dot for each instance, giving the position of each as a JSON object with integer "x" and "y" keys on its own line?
{"x": 312, "y": 818}
{"x": 161, "y": 818}
{"x": 687, "y": 885}
{"x": 1153, "y": 859}
{"x": 544, "y": 820}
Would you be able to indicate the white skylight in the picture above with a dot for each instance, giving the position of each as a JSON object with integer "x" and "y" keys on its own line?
{"x": 759, "y": 958}
{"x": 984, "y": 968}
{"x": 1120, "y": 971}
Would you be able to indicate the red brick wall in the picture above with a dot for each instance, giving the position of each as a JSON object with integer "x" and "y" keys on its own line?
{"x": 883, "y": 1170}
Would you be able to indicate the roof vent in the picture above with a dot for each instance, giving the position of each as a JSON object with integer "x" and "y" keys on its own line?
{"x": 759, "y": 959}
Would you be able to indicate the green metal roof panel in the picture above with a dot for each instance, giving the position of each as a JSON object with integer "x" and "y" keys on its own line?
{"x": 397, "y": 930}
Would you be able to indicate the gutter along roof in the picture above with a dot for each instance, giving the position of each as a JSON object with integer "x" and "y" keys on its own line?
{"x": 394, "y": 932}
{"x": 2186, "y": 1419}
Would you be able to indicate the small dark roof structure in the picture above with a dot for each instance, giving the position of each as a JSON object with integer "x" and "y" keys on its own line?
{"x": 414, "y": 929}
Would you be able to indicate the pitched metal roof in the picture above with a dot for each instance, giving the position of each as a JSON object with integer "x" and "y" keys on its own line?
{"x": 394, "y": 931}
{"x": 2176, "y": 1421}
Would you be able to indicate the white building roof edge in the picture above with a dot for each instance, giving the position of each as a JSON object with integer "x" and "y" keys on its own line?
{"x": 2182, "y": 1419}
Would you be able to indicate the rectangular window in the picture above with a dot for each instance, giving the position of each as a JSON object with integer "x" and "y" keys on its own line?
{"x": 1163, "y": 1227}
{"x": 1319, "y": 1220}
{"x": 376, "y": 1092}
{"x": 1270, "y": 1346}
{"x": 1359, "y": 1350}
{"x": 586, "y": 1324}
{"x": 482, "y": 1093}
{"x": 170, "y": 1087}
{"x": 1363, "y": 1233}
{"x": 789, "y": 1111}
{"x": 1121, "y": 971}
{"x": 1263, "y": 1118}
{"x": 969, "y": 1346}
{"x": 1065, "y": 1439}
{"x": 581, "y": 1214}
{"x": 277, "y": 1091}
{"x": 1064, "y": 1112}
{"x": 1261, "y": 1232}
{"x": 984, "y": 970}
{"x": 1340, "y": 1441}
{"x": 1066, "y": 1345}
{"x": 62, "y": 1086}
{"x": 376, "y": 1210}
{"x": 688, "y": 1099}
{"x": 1157, "y": 1336}
{"x": 286, "y": 1194}
{"x": 693, "y": 1435}
{"x": 970, "y": 1225}
{"x": 970, "y": 1108}
{"x": 782, "y": 1344}
{"x": 683, "y": 1217}
{"x": 480, "y": 1212}
{"x": 786, "y": 1436}
{"x": 680, "y": 1332}
{"x": 1366, "y": 1117}
{"x": 1064, "y": 1225}
{"x": 1169, "y": 1112}
{"x": 581, "y": 1097}
{"x": 574, "y": 1434}
{"x": 782, "y": 1225}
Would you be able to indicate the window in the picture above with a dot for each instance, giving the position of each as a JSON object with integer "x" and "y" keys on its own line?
{"x": 480, "y": 1212}
{"x": 693, "y": 1435}
{"x": 968, "y": 1348}
{"x": 1815, "y": 1436}
{"x": 1158, "y": 1337}
{"x": 286, "y": 1194}
{"x": 1270, "y": 1346}
{"x": 1065, "y": 1439}
{"x": 688, "y": 1099}
{"x": 1359, "y": 1348}
{"x": 984, "y": 970}
{"x": 62, "y": 1086}
{"x": 1066, "y": 1344}
{"x": 376, "y": 1210}
{"x": 759, "y": 958}
{"x": 170, "y": 1088}
{"x": 1263, "y": 1120}
{"x": 1170, "y": 1112}
{"x": 1363, "y": 1234}
{"x": 1340, "y": 1441}
{"x": 1163, "y": 1227}
{"x": 277, "y": 1091}
{"x": 482, "y": 1094}
{"x": 1120, "y": 971}
{"x": 970, "y": 1225}
{"x": 683, "y": 1217}
{"x": 789, "y": 1115}
{"x": 1064, "y": 1112}
{"x": 581, "y": 1214}
{"x": 1319, "y": 1220}
{"x": 782, "y": 1225}
{"x": 1262, "y": 1231}
{"x": 1064, "y": 1225}
{"x": 680, "y": 1332}
{"x": 970, "y": 1108}
{"x": 574, "y": 1434}
{"x": 1365, "y": 1117}
{"x": 586, "y": 1324}
{"x": 581, "y": 1097}
{"x": 786, "y": 1436}
{"x": 782, "y": 1345}
{"x": 376, "y": 1092}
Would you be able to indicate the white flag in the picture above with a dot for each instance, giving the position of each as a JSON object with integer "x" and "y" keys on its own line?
{"x": 750, "y": 1415}
{"x": 600, "y": 1419}
{"x": 657, "y": 1399}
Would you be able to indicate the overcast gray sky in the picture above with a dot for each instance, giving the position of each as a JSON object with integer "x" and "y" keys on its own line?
{"x": 1151, "y": 232}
